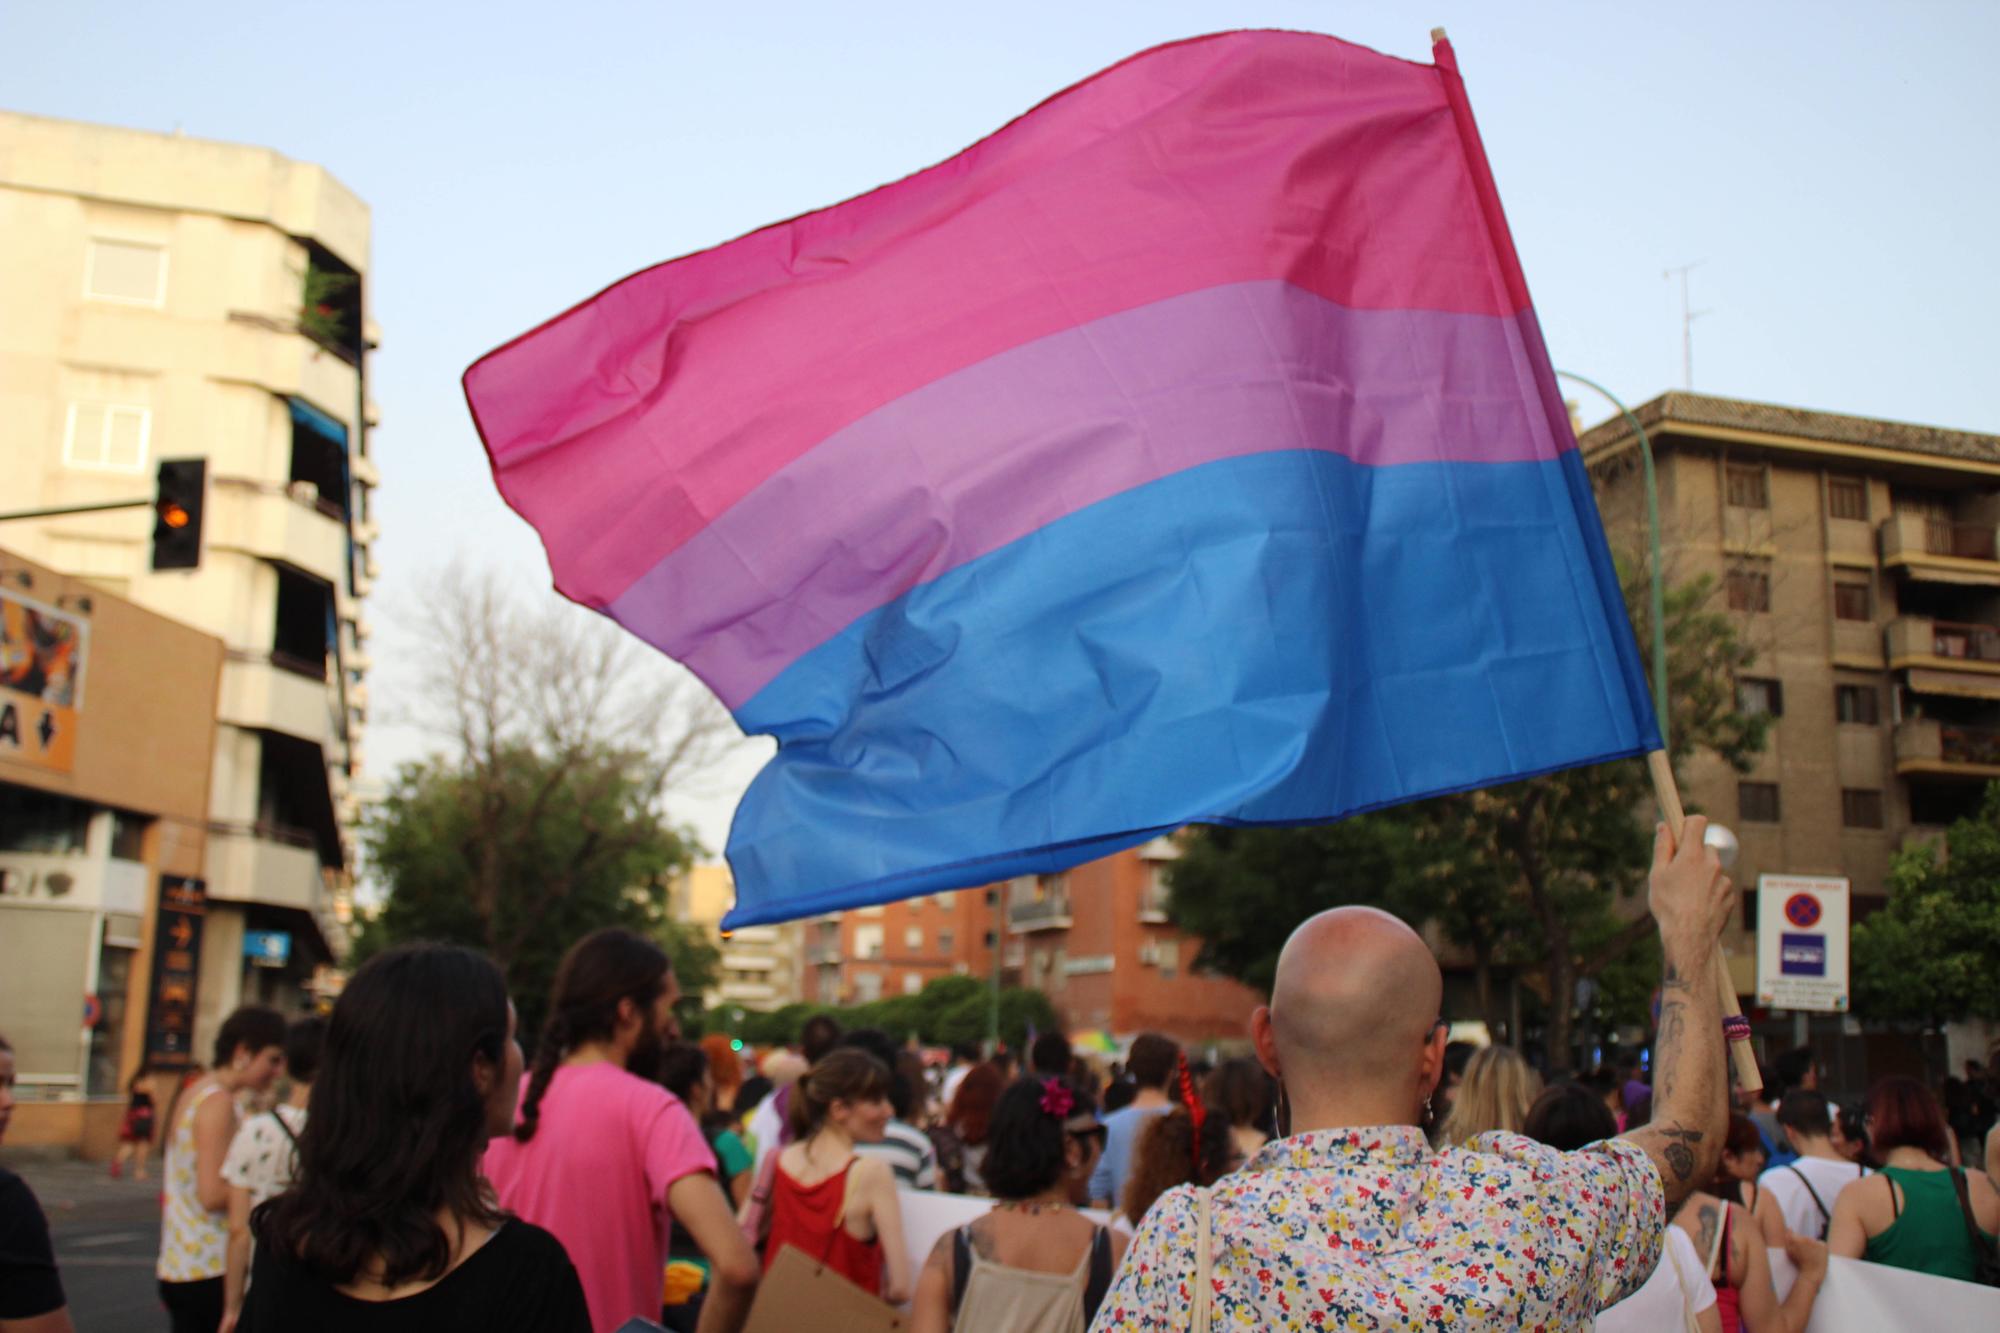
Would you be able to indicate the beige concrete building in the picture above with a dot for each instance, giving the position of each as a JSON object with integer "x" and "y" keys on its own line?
{"x": 107, "y": 734}
{"x": 168, "y": 297}
{"x": 1858, "y": 557}
{"x": 762, "y": 966}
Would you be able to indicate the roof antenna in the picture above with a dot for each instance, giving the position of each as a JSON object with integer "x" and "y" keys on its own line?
{"x": 1688, "y": 317}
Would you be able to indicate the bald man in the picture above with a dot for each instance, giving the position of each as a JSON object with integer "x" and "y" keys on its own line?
{"x": 1351, "y": 1220}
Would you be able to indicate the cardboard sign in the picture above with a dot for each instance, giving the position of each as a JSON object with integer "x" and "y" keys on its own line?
{"x": 799, "y": 1293}
{"x": 1802, "y": 943}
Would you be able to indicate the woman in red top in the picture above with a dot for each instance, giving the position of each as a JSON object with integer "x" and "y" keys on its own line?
{"x": 837, "y": 1207}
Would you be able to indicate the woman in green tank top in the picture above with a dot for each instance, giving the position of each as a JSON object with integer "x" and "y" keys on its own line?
{"x": 1908, "y": 1215}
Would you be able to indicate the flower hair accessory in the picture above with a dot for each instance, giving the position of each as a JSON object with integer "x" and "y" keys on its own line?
{"x": 1057, "y": 1099}
{"x": 1197, "y": 1113}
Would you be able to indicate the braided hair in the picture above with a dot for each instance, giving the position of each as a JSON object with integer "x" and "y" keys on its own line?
{"x": 600, "y": 970}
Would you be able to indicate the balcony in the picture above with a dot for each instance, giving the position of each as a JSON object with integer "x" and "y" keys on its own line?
{"x": 1940, "y": 550}
{"x": 269, "y": 693}
{"x": 827, "y": 956}
{"x": 1927, "y": 747}
{"x": 1947, "y": 657}
{"x": 265, "y": 519}
{"x": 273, "y": 355}
{"x": 264, "y": 864}
{"x": 68, "y": 879}
{"x": 1048, "y": 913}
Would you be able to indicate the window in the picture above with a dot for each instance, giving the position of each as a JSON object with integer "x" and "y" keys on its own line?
{"x": 944, "y": 942}
{"x": 125, "y": 271}
{"x": 107, "y": 437}
{"x": 1755, "y": 696}
{"x": 868, "y": 942}
{"x": 1747, "y": 487}
{"x": 1861, "y": 807}
{"x": 1749, "y": 590}
{"x": 1860, "y": 704}
{"x": 867, "y": 987}
{"x": 913, "y": 939}
{"x": 1851, "y": 600}
{"x": 941, "y": 899}
{"x": 1757, "y": 802}
{"x": 912, "y": 983}
{"x": 1847, "y": 497}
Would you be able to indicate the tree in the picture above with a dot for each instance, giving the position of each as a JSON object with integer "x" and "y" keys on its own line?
{"x": 949, "y": 1009}
{"x": 1929, "y": 955}
{"x": 1526, "y": 872}
{"x": 544, "y": 818}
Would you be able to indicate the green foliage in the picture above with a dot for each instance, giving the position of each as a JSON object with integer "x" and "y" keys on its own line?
{"x": 949, "y": 1009}
{"x": 1528, "y": 872}
{"x": 523, "y": 857}
{"x": 1933, "y": 953}
{"x": 323, "y": 307}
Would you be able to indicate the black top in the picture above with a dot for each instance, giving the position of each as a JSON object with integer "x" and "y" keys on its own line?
{"x": 29, "y": 1284}
{"x": 520, "y": 1279}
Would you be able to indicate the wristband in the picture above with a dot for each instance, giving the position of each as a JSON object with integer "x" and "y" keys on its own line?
{"x": 1736, "y": 1027}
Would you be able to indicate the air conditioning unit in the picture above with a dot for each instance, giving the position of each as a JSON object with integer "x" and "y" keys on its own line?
{"x": 305, "y": 492}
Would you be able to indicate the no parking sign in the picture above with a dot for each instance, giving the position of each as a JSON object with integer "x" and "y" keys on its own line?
{"x": 1802, "y": 942}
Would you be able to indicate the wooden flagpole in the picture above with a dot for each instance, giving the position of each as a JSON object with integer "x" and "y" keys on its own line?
{"x": 1741, "y": 1057}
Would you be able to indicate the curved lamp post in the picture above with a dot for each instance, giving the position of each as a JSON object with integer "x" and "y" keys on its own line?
{"x": 1659, "y": 596}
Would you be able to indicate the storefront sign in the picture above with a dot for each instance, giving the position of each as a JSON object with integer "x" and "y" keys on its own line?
{"x": 42, "y": 654}
{"x": 176, "y": 971}
{"x": 1802, "y": 943}
{"x": 267, "y": 948}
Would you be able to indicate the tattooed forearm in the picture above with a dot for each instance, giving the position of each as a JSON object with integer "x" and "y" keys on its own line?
{"x": 1679, "y": 1149}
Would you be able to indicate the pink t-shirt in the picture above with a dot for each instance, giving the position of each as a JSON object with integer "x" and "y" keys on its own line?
{"x": 607, "y": 1146}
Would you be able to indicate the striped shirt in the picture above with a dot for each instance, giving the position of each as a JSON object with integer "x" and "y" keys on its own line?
{"x": 909, "y": 1154}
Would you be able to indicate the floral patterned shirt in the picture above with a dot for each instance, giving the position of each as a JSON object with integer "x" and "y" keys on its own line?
{"x": 1372, "y": 1229}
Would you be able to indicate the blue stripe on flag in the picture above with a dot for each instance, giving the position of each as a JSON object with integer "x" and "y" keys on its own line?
{"x": 1275, "y": 638}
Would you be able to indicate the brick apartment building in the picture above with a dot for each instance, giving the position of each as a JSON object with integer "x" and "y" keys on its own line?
{"x": 1858, "y": 557}
{"x": 1095, "y": 939}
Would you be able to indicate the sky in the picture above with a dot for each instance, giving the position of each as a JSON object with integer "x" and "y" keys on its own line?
{"x": 1831, "y": 167}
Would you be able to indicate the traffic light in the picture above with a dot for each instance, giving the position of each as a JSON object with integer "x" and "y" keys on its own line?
{"x": 177, "y": 512}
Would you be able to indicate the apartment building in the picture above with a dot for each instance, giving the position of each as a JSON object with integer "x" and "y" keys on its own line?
{"x": 1095, "y": 939}
{"x": 1858, "y": 557}
{"x": 168, "y": 297}
{"x": 761, "y": 965}
{"x": 107, "y": 734}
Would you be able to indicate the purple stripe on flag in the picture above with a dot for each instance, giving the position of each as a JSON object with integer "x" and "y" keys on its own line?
{"x": 985, "y": 456}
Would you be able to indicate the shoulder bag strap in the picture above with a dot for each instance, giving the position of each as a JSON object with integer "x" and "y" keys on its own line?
{"x": 285, "y": 1128}
{"x": 961, "y": 1268}
{"x": 1715, "y": 1244}
{"x": 1099, "y": 1281}
{"x": 1688, "y": 1321}
{"x": 1824, "y": 1216}
{"x": 1973, "y": 1234}
{"x": 1203, "y": 1263}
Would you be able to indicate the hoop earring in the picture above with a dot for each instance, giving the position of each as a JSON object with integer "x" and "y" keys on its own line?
{"x": 1281, "y": 1114}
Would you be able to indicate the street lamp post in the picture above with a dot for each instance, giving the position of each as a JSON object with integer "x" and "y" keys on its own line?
{"x": 1658, "y": 587}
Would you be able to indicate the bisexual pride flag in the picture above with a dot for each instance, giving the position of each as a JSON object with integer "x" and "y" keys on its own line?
{"x": 1184, "y": 451}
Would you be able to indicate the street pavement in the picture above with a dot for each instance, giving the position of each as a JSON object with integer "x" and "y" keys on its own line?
{"x": 107, "y": 1233}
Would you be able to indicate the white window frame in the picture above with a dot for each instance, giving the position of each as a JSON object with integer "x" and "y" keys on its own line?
{"x": 159, "y": 299}
{"x": 145, "y": 438}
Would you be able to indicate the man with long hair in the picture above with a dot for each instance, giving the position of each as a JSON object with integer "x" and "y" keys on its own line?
{"x": 605, "y": 1157}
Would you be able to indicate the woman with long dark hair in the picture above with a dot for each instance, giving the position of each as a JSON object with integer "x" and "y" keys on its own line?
{"x": 388, "y": 1224}
{"x": 605, "y": 1157}
{"x": 1192, "y": 1144}
{"x": 1034, "y": 1264}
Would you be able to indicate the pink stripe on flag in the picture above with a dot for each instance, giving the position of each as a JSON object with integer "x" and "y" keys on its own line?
{"x": 982, "y": 458}
{"x": 623, "y": 427}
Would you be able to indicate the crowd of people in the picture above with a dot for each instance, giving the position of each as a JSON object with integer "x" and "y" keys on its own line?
{"x": 1357, "y": 1170}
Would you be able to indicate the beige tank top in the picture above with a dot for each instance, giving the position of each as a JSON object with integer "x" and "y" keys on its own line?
{"x": 1023, "y": 1300}
{"x": 193, "y": 1240}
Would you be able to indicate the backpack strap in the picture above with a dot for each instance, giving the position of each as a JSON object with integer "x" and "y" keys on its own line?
{"x": 1099, "y": 1281}
{"x": 1825, "y": 1218}
{"x": 1973, "y": 1236}
{"x": 961, "y": 1268}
